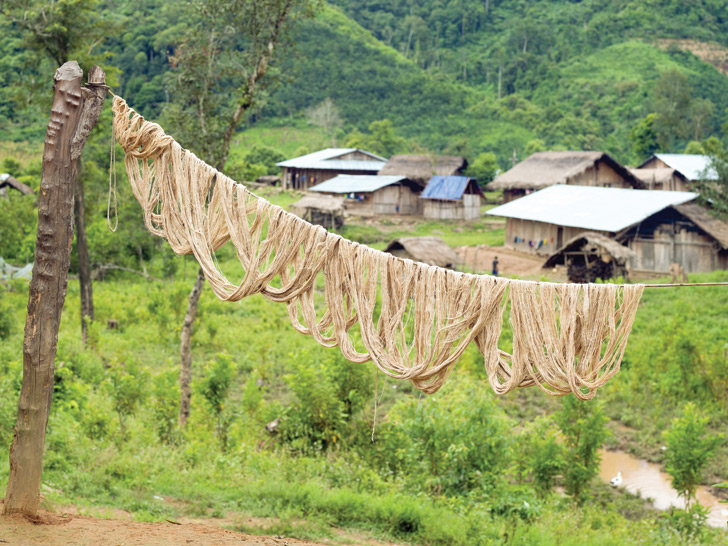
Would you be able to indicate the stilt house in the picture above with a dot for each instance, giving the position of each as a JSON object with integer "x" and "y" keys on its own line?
{"x": 544, "y": 169}
{"x": 661, "y": 227}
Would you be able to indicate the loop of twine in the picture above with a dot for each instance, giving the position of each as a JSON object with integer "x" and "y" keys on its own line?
{"x": 112, "y": 185}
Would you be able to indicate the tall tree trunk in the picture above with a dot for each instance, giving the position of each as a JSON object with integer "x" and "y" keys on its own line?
{"x": 185, "y": 372}
{"x": 84, "y": 266}
{"x": 68, "y": 128}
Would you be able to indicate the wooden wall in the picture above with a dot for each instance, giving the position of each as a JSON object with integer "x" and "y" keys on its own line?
{"x": 385, "y": 201}
{"x": 530, "y": 232}
{"x": 600, "y": 174}
{"x": 467, "y": 208}
{"x": 293, "y": 178}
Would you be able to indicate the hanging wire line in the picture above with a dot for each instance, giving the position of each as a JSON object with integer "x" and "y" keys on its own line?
{"x": 686, "y": 284}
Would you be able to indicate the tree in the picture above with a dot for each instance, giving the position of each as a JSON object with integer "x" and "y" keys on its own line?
{"x": 689, "y": 448}
{"x": 582, "y": 424}
{"x": 643, "y": 137}
{"x": 326, "y": 116}
{"x": 713, "y": 187}
{"x": 484, "y": 168}
{"x": 220, "y": 68}
{"x": 382, "y": 139}
{"x": 60, "y": 30}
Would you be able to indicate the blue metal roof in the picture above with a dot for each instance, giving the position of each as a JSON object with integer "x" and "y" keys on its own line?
{"x": 446, "y": 187}
{"x": 354, "y": 183}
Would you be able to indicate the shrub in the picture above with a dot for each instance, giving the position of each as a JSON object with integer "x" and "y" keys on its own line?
{"x": 582, "y": 424}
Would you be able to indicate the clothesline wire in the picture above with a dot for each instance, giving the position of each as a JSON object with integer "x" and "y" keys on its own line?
{"x": 664, "y": 285}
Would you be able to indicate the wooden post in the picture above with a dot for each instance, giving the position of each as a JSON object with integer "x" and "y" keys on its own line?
{"x": 70, "y": 123}
{"x": 93, "y": 102}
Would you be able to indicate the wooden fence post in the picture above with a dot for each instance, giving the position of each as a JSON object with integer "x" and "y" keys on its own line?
{"x": 74, "y": 113}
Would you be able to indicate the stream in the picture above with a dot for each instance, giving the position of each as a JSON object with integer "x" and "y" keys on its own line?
{"x": 653, "y": 483}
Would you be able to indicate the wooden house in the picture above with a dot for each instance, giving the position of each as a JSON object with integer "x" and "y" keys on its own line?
{"x": 420, "y": 168}
{"x": 301, "y": 173}
{"x": 452, "y": 198}
{"x": 661, "y": 227}
{"x": 666, "y": 179}
{"x": 544, "y": 169}
{"x": 369, "y": 194}
{"x": 430, "y": 250}
{"x": 689, "y": 167}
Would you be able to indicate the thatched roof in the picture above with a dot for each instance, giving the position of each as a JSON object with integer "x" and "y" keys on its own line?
{"x": 593, "y": 243}
{"x": 420, "y": 168}
{"x": 430, "y": 250}
{"x": 7, "y": 181}
{"x": 709, "y": 224}
{"x": 324, "y": 203}
{"x": 653, "y": 177}
{"x": 270, "y": 179}
{"x": 544, "y": 169}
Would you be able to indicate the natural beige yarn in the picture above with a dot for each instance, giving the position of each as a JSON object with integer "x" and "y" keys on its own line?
{"x": 414, "y": 320}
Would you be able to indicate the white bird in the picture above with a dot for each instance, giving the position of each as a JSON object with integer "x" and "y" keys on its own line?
{"x": 617, "y": 480}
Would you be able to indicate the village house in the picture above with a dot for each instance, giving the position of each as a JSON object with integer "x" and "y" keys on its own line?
{"x": 302, "y": 172}
{"x": 370, "y": 194}
{"x": 661, "y": 227}
{"x": 452, "y": 198}
{"x": 420, "y": 168}
{"x": 544, "y": 169}
{"x": 679, "y": 170}
{"x": 430, "y": 250}
{"x": 665, "y": 179}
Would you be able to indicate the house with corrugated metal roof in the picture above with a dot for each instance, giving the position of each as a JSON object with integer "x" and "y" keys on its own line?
{"x": 371, "y": 194}
{"x": 661, "y": 227}
{"x": 684, "y": 169}
{"x": 452, "y": 198}
{"x": 302, "y": 172}
{"x": 544, "y": 169}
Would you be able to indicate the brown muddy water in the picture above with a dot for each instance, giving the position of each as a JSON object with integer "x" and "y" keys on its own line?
{"x": 651, "y": 482}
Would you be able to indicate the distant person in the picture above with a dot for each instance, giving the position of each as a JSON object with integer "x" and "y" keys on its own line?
{"x": 396, "y": 208}
{"x": 495, "y": 266}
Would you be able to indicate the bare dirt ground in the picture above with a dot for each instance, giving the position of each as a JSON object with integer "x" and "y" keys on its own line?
{"x": 71, "y": 529}
{"x": 510, "y": 262}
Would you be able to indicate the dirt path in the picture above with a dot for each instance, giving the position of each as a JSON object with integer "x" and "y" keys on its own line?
{"x": 71, "y": 529}
{"x": 54, "y": 530}
{"x": 510, "y": 262}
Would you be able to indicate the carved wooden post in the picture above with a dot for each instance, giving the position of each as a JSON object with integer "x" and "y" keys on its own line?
{"x": 69, "y": 126}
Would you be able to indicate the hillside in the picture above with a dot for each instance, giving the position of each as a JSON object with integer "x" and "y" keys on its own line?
{"x": 570, "y": 75}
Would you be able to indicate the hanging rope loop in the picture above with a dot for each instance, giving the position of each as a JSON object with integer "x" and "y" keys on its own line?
{"x": 414, "y": 320}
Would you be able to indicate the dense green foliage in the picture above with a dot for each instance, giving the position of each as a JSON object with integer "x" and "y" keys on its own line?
{"x": 495, "y": 76}
{"x": 483, "y": 79}
{"x": 458, "y": 467}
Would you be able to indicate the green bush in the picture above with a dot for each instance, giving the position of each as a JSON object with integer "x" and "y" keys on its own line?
{"x": 583, "y": 428}
{"x": 449, "y": 443}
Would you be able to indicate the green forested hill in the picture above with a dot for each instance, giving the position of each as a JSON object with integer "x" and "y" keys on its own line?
{"x": 457, "y": 75}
